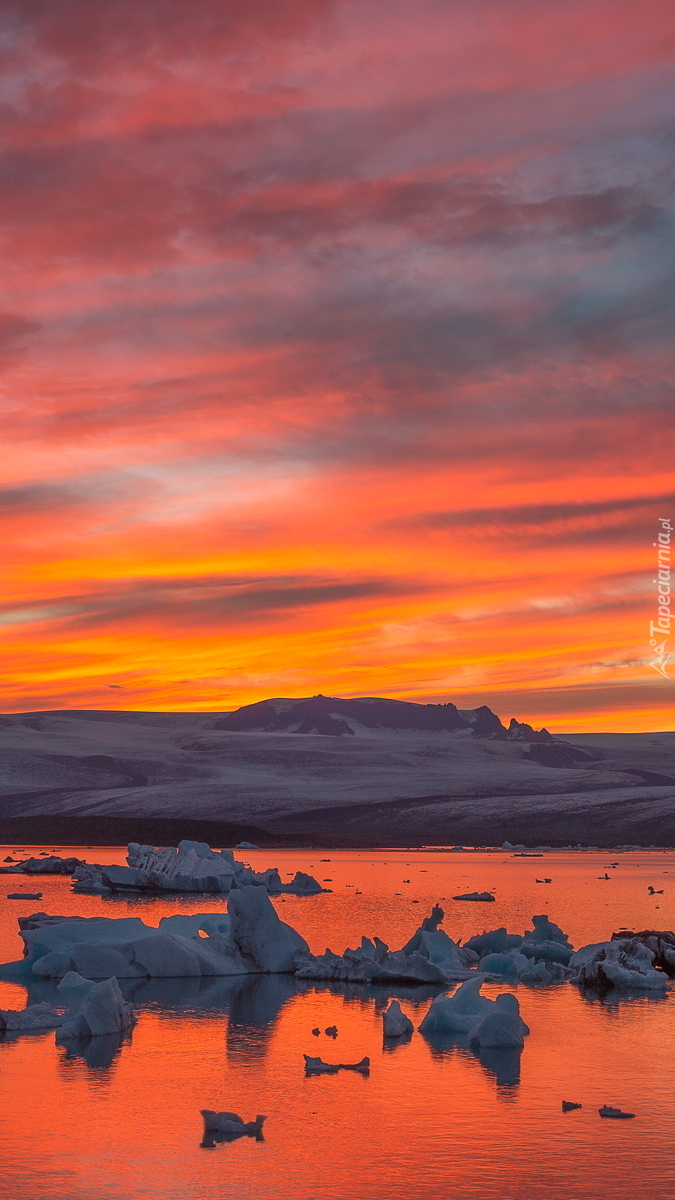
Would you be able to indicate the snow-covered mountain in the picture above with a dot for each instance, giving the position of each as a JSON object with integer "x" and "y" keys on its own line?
{"x": 368, "y": 769}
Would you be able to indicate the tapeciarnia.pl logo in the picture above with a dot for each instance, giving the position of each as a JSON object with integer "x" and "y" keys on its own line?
{"x": 662, "y": 626}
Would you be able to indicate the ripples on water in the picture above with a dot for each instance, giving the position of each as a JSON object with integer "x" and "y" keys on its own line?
{"x": 120, "y": 1120}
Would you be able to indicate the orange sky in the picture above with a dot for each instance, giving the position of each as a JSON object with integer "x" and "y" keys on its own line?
{"x": 337, "y": 354}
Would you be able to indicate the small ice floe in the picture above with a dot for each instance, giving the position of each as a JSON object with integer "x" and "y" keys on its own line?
{"x": 539, "y": 956}
{"x": 35, "y": 1017}
{"x": 484, "y": 896}
{"x": 502, "y": 1027}
{"x": 46, "y": 864}
{"x": 24, "y": 895}
{"x": 395, "y": 1022}
{"x": 316, "y": 1066}
{"x": 316, "y": 1031}
{"x": 246, "y": 846}
{"x": 332, "y": 1031}
{"x": 569, "y": 1105}
{"x": 227, "y": 1127}
{"x": 608, "y": 1111}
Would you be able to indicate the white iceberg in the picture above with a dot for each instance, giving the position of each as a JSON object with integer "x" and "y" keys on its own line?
{"x": 502, "y": 1027}
{"x": 395, "y": 1022}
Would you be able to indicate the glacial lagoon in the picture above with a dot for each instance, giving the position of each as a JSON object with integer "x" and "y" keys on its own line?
{"x": 119, "y": 1118}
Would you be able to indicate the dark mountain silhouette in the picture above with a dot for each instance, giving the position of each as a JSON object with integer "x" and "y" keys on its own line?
{"x": 332, "y": 715}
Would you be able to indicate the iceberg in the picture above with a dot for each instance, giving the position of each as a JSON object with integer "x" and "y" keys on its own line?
{"x": 51, "y": 865}
{"x": 624, "y": 964}
{"x": 502, "y": 1027}
{"x": 460, "y": 1012}
{"x": 371, "y": 962}
{"x": 36, "y": 1016}
{"x": 395, "y": 1022}
{"x": 249, "y": 939}
{"x": 102, "y": 1009}
{"x": 540, "y": 955}
{"x": 189, "y": 867}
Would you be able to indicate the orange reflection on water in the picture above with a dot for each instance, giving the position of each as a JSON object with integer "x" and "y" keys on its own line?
{"x": 432, "y": 1119}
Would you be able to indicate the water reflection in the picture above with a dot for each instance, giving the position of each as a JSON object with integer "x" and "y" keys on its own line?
{"x": 501, "y": 1065}
{"x": 99, "y": 1053}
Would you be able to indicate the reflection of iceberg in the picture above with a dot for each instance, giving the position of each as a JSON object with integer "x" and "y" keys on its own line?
{"x": 316, "y": 1066}
{"x": 99, "y": 1053}
{"x": 504, "y": 1064}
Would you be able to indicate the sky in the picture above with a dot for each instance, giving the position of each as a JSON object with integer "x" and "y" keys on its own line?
{"x": 337, "y": 353}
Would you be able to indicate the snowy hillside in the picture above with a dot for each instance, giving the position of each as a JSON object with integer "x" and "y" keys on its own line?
{"x": 431, "y": 772}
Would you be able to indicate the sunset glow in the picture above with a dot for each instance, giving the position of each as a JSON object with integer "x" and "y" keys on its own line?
{"x": 337, "y": 354}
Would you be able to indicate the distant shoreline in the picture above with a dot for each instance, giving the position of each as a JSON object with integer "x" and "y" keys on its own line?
{"x": 64, "y": 830}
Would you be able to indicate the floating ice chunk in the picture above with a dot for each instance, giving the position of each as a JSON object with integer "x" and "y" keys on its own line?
{"x": 52, "y": 864}
{"x": 608, "y": 1111}
{"x": 460, "y": 1012}
{"x": 226, "y": 1126}
{"x": 36, "y": 1016}
{"x": 369, "y": 964}
{"x": 395, "y": 1022}
{"x": 246, "y": 846}
{"x": 331, "y": 1031}
{"x": 502, "y": 1027}
{"x": 509, "y": 965}
{"x": 621, "y": 964}
{"x": 546, "y": 931}
{"x": 316, "y": 1066}
{"x": 484, "y": 896}
{"x": 251, "y": 939}
{"x": 569, "y": 1105}
{"x": 259, "y": 935}
{"x": 496, "y": 941}
{"x": 24, "y": 895}
{"x": 102, "y": 1010}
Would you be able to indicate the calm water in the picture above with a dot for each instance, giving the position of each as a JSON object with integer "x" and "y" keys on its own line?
{"x": 432, "y": 1120}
